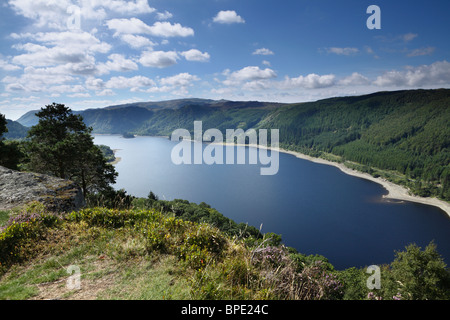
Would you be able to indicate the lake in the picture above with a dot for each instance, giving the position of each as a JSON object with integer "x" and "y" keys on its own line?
{"x": 316, "y": 208}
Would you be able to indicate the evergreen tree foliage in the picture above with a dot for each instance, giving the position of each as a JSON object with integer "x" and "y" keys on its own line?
{"x": 61, "y": 145}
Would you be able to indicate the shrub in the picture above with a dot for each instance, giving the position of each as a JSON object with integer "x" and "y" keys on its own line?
{"x": 421, "y": 275}
{"x": 27, "y": 225}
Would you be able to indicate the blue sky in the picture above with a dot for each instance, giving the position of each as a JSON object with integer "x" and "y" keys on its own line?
{"x": 92, "y": 53}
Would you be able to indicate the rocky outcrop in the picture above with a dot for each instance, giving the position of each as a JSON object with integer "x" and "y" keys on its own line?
{"x": 19, "y": 188}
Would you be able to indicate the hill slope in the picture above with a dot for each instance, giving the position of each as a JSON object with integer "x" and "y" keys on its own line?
{"x": 404, "y": 133}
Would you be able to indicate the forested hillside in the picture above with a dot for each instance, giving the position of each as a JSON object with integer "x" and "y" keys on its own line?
{"x": 404, "y": 133}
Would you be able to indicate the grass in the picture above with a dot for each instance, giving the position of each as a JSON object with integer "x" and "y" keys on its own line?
{"x": 113, "y": 265}
{"x": 4, "y": 216}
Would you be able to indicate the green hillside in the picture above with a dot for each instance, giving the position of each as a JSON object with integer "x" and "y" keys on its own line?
{"x": 15, "y": 130}
{"x": 406, "y": 132}
{"x": 403, "y": 136}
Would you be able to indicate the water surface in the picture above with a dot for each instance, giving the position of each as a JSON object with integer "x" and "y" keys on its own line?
{"x": 316, "y": 208}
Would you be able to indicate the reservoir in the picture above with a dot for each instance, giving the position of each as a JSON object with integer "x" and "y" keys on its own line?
{"x": 316, "y": 208}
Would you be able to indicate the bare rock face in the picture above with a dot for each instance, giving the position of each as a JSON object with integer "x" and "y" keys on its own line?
{"x": 19, "y": 188}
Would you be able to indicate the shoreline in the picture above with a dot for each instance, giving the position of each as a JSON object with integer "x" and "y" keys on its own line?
{"x": 395, "y": 191}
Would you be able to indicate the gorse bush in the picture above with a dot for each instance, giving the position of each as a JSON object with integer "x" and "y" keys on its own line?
{"x": 195, "y": 244}
{"x": 27, "y": 225}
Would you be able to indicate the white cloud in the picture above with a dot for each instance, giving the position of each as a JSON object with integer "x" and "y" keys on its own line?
{"x": 43, "y": 12}
{"x": 42, "y": 56}
{"x": 164, "y": 15}
{"x": 7, "y": 66}
{"x": 80, "y": 41}
{"x": 311, "y": 81}
{"x": 166, "y": 29}
{"x": 133, "y": 82}
{"x": 437, "y": 73}
{"x": 158, "y": 59}
{"x": 228, "y": 17}
{"x": 72, "y": 51}
{"x": 118, "y": 62}
{"x": 106, "y": 92}
{"x": 55, "y": 14}
{"x": 195, "y": 55}
{"x": 263, "y": 51}
{"x": 355, "y": 79}
{"x": 251, "y": 73}
{"x": 182, "y": 79}
{"x": 124, "y": 7}
{"x": 137, "y": 42}
{"x": 38, "y": 79}
{"x": 342, "y": 51}
{"x": 158, "y": 29}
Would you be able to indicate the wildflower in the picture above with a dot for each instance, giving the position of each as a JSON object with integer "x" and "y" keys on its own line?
{"x": 398, "y": 296}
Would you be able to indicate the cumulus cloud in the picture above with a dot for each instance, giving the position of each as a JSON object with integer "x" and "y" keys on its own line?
{"x": 44, "y": 13}
{"x": 164, "y": 15}
{"x": 252, "y": 73}
{"x": 195, "y": 55}
{"x": 158, "y": 29}
{"x": 158, "y": 59}
{"x": 310, "y": 81}
{"x": 437, "y": 73}
{"x": 182, "y": 79}
{"x": 136, "y": 41}
{"x": 263, "y": 51}
{"x": 124, "y": 7}
{"x": 118, "y": 62}
{"x": 79, "y": 41}
{"x": 75, "y": 50}
{"x": 228, "y": 17}
{"x": 55, "y": 14}
{"x": 133, "y": 82}
{"x": 355, "y": 79}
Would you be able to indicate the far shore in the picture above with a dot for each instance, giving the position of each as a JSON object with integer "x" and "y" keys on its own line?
{"x": 395, "y": 191}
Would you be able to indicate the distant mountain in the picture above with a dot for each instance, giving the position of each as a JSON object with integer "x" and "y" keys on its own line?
{"x": 29, "y": 119}
{"x": 161, "y": 118}
{"x": 170, "y": 104}
{"x": 15, "y": 130}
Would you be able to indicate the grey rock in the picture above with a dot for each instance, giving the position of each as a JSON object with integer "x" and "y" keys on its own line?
{"x": 20, "y": 188}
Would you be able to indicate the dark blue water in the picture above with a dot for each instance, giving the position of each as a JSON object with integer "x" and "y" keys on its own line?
{"x": 316, "y": 208}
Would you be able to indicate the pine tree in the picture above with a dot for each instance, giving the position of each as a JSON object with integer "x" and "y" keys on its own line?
{"x": 62, "y": 145}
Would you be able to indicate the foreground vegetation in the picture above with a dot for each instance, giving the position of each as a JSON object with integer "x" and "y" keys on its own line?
{"x": 145, "y": 253}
